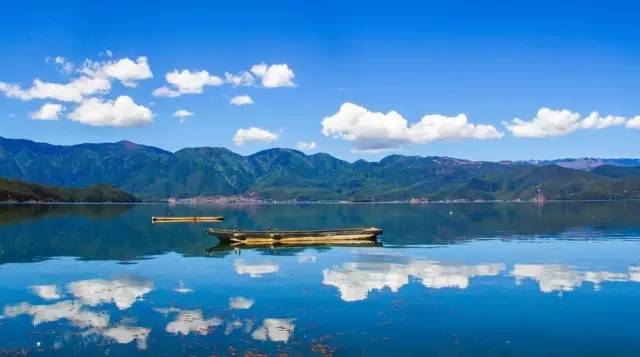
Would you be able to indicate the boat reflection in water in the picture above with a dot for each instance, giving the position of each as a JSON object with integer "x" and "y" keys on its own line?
{"x": 345, "y": 236}
{"x": 226, "y": 246}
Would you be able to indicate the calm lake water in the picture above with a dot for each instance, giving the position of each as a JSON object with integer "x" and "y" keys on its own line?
{"x": 459, "y": 279}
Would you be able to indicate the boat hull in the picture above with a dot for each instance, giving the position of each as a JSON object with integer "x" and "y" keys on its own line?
{"x": 336, "y": 236}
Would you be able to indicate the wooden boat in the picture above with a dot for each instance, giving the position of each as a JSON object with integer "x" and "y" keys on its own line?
{"x": 347, "y": 236}
{"x": 194, "y": 219}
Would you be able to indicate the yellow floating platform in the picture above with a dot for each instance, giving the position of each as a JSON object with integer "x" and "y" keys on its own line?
{"x": 194, "y": 219}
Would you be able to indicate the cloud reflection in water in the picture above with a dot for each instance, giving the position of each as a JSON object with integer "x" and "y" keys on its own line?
{"x": 255, "y": 270}
{"x": 563, "y": 278}
{"x": 355, "y": 280}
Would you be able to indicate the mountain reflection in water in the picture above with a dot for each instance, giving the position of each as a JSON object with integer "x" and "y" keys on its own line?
{"x": 488, "y": 279}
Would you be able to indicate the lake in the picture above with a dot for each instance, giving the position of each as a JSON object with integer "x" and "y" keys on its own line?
{"x": 449, "y": 279}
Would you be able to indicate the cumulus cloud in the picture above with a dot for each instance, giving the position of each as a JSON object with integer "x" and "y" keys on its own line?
{"x": 64, "y": 66}
{"x": 254, "y": 134}
{"x": 122, "y": 292}
{"x": 307, "y": 146}
{"x": 269, "y": 76}
{"x": 549, "y": 123}
{"x": 356, "y": 279}
{"x": 375, "y": 131}
{"x": 255, "y": 270}
{"x": 94, "y": 79}
{"x": 242, "y": 79}
{"x": 241, "y": 100}
{"x": 165, "y": 92}
{"x": 74, "y": 91}
{"x": 274, "y": 76}
{"x": 48, "y": 111}
{"x": 276, "y": 330}
{"x": 182, "y": 114}
{"x": 240, "y": 303}
{"x": 127, "y": 71}
{"x": 189, "y": 321}
{"x": 187, "y": 82}
{"x": 123, "y": 112}
{"x": 634, "y": 123}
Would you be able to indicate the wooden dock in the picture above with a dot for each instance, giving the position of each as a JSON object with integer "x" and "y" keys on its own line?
{"x": 188, "y": 219}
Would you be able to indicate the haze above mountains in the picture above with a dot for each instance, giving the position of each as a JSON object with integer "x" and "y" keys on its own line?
{"x": 284, "y": 174}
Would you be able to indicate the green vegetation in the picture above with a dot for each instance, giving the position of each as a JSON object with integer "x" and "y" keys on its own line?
{"x": 284, "y": 174}
{"x": 17, "y": 191}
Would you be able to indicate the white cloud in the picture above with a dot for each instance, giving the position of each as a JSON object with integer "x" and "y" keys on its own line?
{"x": 123, "y": 112}
{"x": 274, "y": 76}
{"x": 187, "y": 82}
{"x": 549, "y": 123}
{"x": 48, "y": 111}
{"x": 67, "y": 310}
{"x": 375, "y": 131}
{"x": 355, "y": 280}
{"x": 165, "y": 92}
{"x": 127, "y": 71}
{"x": 240, "y": 303}
{"x": 13, "y": 91}
{"x": 241, "y": 100}
{"x": 189, "y": 321}
{"x": 122, "y": 292}
{"x": 307, "y": 146}
{"x": 64, "y": 66}
{"x": 95, "y": 79}
{"x": 276, "y": 330}
{"x": 47, "y": 292}
{"x": 74, "y": 91}
{"x": 254, "y": 134}
{"x": 183, "y": 114}
{"x": 242, "y": 79}
{"x": 634, "y": 123}
{"x": 255, "y": 270}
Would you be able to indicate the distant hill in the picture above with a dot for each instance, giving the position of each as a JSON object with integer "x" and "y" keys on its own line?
{"x": 588, "y": 163}
{"x": 617, "y": 171}
{"x": 285, "y": 174}
{"x": 17, "y": 191}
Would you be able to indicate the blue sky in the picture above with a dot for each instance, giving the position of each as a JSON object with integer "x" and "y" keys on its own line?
{"x": 490, "y": 61}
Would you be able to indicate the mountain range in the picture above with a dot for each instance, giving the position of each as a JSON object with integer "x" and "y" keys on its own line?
{"x": 285, "y": 174}
{"x": 17, "y": 191}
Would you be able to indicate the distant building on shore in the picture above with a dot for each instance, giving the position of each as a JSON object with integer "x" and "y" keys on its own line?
{"x": 539, "y": 195}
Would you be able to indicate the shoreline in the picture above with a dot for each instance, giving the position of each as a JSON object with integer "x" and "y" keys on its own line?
{"x": 9, "y": 203}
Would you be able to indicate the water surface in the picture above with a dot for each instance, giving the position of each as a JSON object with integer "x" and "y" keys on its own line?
{"x": 459, "y": 279}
